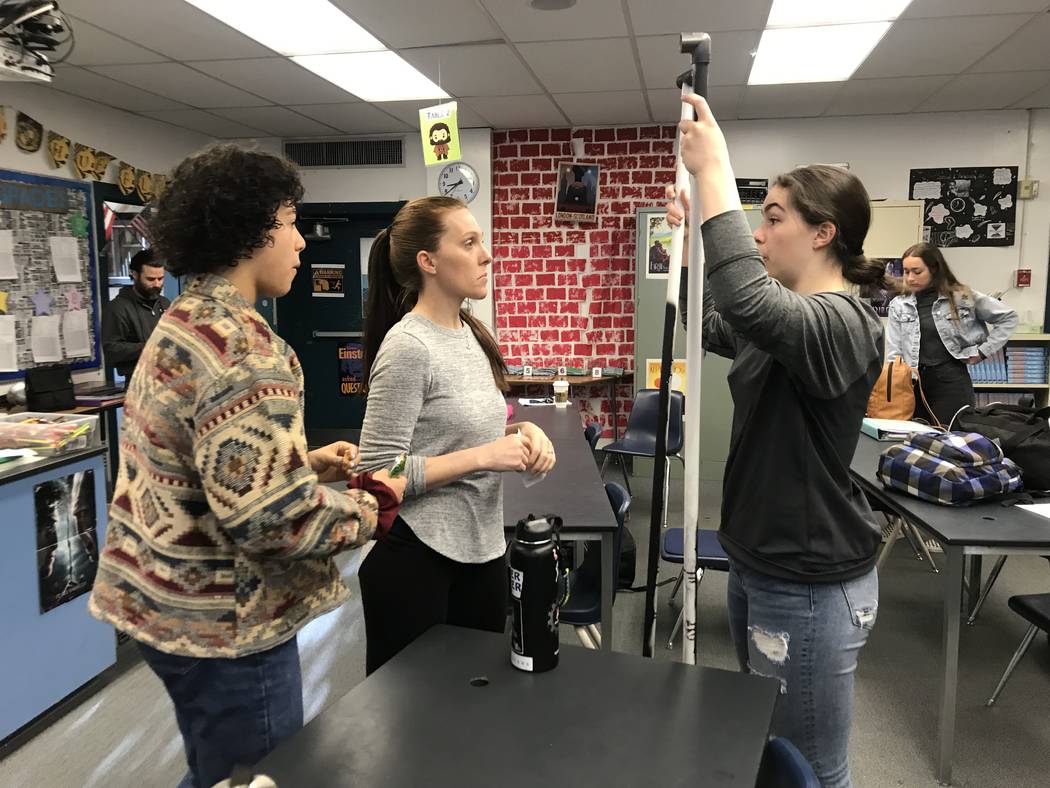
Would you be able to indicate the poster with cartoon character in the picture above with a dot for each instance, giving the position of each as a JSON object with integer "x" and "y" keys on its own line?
{"x": 439, "y": 128}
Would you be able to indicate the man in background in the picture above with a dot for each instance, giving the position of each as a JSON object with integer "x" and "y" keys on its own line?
{"x": 129, "y": 319}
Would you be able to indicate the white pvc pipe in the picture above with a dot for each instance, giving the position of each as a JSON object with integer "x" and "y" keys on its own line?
{"x": 691, "y": 447}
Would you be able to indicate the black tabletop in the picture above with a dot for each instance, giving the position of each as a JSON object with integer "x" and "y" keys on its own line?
{"x": 19, "y": 469}
{"x": 598, "y": 719}
{"x": 574, "y": 489}
{"x": 981, "y": 525}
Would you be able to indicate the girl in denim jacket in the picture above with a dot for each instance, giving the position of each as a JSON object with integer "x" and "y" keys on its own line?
{"x": 939, "y": 326}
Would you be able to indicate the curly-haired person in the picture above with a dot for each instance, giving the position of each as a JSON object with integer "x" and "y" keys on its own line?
{"x": 221, "y": 536}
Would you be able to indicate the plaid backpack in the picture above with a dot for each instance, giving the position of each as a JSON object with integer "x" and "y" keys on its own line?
{"x": 950, "y": 468}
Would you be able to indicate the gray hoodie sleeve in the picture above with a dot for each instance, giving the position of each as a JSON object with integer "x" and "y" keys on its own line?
{"x": 717, "y": 336}
{"x": 397, "y": 388}
{"x": 826, "y": 340}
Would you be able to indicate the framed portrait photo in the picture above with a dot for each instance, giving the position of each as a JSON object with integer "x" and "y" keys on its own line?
{"x": 576, "y": 193}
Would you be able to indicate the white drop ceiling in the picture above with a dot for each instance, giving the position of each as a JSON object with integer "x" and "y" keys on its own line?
{"x": 601, "y": 62}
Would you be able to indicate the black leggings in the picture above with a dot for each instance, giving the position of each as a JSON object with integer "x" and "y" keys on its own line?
{"x": 947, "y": 387}
{"x": 407, "y": 587}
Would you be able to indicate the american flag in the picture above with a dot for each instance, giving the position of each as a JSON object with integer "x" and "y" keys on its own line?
{"x": 108, "y": 217}
{"x": 140, "y": 223}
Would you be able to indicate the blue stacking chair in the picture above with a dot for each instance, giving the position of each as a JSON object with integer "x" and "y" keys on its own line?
{"x": 783, "y": 766}
{"x": 1035, "y": 609}
{"x": 709, "y": 555}
{"x": 639, "y": 439}
{"x": 592, "y": 432}
{"x": 584, "y": 608}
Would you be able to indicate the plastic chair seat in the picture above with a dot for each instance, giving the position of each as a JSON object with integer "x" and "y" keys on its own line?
{"x": 585, "y": 603}
{"x": 635, "y": 446}
{"x": 709, "y": 552}
{"x": 1033, "y": 608}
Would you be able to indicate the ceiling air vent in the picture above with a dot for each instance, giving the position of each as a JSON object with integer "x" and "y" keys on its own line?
{"x": 378, "y": 152}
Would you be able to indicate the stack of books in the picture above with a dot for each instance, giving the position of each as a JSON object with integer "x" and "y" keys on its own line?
{"x": 94, "y": 396}
{"x": 1025, "y": 364}
{"x": 1020, "y": 364}
{"x": 991, "y": 370}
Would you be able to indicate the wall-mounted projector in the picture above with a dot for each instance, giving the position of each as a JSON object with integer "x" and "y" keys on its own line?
{"x": 34, "y": 36}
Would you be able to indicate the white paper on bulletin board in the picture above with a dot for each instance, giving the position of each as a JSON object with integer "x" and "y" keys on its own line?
{"x": 7, "y": 255}
{"x": 65, "y": 257}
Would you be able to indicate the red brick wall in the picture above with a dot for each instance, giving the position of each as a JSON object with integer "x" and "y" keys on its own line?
{"x": 564, "y": 292}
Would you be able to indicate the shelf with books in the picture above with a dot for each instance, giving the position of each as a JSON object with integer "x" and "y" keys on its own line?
{"x": 1012, "y": 386}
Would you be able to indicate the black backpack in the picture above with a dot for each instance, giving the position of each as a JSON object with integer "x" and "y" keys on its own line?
{"x": 1022, "y": 432}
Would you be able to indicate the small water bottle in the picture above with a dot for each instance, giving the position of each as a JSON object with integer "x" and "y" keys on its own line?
{"x": 538, "y": 586}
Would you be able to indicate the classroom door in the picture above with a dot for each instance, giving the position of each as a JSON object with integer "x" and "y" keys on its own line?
{"x": 321, "y": 317}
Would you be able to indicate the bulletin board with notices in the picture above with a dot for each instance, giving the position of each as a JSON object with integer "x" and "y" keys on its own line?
{"x": 48, "y": 287}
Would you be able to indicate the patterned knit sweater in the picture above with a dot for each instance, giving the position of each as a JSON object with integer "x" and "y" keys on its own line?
{"x": 220, "y": 538}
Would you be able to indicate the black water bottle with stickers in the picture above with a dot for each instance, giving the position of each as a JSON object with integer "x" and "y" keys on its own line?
{"x": 537, "y": 592}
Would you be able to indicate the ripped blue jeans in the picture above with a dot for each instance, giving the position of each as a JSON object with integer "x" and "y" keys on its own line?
{"x": 808, "y": 636}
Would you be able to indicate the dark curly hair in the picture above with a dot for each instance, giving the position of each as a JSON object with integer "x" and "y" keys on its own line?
{"x": 219, "y": 206}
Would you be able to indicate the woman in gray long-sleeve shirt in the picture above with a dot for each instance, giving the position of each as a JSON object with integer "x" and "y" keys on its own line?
{"x": 435, "y": 395}
{"x": 802, "y": 592}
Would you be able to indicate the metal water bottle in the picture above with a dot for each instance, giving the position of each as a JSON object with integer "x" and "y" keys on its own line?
{"x": 537, "y": 592}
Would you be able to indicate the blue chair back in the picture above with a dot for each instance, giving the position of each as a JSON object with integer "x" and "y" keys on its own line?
{"x": 783, "y": 766}
{"x": 592, "y": 432}
{"x": 641, "y": 422}
{"x": 584, "y": 605}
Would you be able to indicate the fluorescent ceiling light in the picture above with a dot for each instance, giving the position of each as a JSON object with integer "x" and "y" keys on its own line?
{"x": 373, "y": 76}
{"x": 301, "y": 27}
{"x": 814, "y": 54}
{"x": 810, "y": 13}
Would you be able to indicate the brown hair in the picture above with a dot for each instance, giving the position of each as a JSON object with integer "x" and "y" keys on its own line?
{"x": 395, "y": 281}
{"x": 823, "y": 193}
{"x": 941, "y": 277}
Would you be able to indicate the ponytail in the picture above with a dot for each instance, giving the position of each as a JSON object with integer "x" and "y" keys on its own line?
{"x": 387, "y": 300}
{"x": 394, "y": 279}
{"x": 488, "y": 344}
{"x": 861, "y": 270}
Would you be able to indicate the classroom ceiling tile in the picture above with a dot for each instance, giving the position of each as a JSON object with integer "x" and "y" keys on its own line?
{"x": 787, "y": 101}
{"x": 277, "y": 79}
{"x": 408, "y": 111}
{"x": 921, "y": 47}
{"x": 662, "y": 60}
{"x": 277, "y": 121}
{"x": 604, "y": 109}
{"x": 984, "y": 91}
{"x": 928, "y": 8}
{"x": 586, "y": 19}
{"x": 711, "y": 16}
{"x": 666, "y": 103}
{"x": 94, "y": 46}
{"x": 206, "y": 123}
{"x": 181, "y": 83}
{"x": 1025, "y": 50}
{"x": 353, "y": 117}
{"x": 1036, "y": 100}
{"x": 583, "y": 66}
{"x": 517, "y": 112}
{"x": 478, "y": 70}
{"x": 88, "y": 84}
{"x": 409, "y": 23}
{"x": 884, "y": 96}
{"x": 171, "y": 27}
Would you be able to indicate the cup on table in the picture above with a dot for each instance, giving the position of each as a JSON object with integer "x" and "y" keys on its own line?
{"x": 561, "y": 392}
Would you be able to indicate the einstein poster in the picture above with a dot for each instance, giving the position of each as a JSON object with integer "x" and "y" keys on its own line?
{"x": 66, "y": 539}
{"x": 440, "y": 131}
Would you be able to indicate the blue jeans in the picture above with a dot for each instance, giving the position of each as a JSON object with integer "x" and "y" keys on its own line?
{"x": 231, "y": 711}
{"x": 808, "y": 637}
